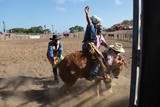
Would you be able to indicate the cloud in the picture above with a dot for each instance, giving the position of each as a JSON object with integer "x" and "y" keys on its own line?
{"x": 60, "y": 1}
{"x": 118, "y": 2}
{"x": 61, "y": 9}
{"x": 76, "y": 1}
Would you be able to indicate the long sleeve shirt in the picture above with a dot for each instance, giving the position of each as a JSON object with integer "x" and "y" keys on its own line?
{"x": 100, "y": 41}
{"x": 53, "y": 52}
{"x": 111, "y": 55}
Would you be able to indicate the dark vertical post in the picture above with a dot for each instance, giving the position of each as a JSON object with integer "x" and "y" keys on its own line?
{"x": 150, "y": 52}
{"x": 4, "y": 27}
{"x": 134, "y": 52}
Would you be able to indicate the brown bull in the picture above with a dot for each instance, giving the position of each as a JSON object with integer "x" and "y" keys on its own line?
{"x": 77, "y": 65}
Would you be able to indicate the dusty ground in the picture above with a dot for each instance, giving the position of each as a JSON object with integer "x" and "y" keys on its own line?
{"x": 24, "y": 70}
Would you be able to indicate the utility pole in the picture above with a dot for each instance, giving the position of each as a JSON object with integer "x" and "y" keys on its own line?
{"x": 4, "y": 27}
{"x": 52, "y": 29}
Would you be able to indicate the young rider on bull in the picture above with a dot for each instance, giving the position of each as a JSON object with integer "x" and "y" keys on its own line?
{"x": 90, "y": 40}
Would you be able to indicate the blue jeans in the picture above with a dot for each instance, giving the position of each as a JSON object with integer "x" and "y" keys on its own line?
{"x": 94, "y": 63}
{"x": 86, "y": 47}
{"x": 94, "y": 67}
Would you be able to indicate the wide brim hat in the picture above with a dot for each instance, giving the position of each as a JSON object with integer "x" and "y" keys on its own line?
{"x": 55, "y": 37}
{"x": 117, "y": 47}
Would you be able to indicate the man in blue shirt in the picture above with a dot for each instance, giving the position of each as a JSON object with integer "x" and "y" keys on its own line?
{"x": 90, "y": 39}
{"x": 54, "y": 53}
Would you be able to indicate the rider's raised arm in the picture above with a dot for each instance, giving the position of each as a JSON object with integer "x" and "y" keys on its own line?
{"x": 87, "y": 16}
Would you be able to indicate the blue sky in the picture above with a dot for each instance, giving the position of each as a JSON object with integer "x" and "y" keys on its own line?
{"x": 62, "y": 14}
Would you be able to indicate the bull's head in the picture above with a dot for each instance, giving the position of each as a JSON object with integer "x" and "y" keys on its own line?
{"x": 116, "y": 67}
{"x": 112, "y": 71}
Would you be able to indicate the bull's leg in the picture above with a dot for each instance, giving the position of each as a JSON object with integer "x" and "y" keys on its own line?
{"x": 67, "y": 86}
{"x": 107, "y": 80}
{"x": 98, "y": 87}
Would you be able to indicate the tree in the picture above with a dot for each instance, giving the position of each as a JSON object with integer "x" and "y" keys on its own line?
{"x": 127, "y": 22}
{"x": 34, "y": 30}
{"x": 46, "y": 31}
{"x": 18, "y": 30}
{"x": 76, "y": 29}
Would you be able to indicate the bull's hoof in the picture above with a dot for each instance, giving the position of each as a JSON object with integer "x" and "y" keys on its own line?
{"x": 56, "y": 81}
{"x": 91, "y": 77}
{"x": 45, "y": 85}
{"x": 66, "y": 91}
{"x": 108, "y": 86}
{"x": 99, "y": 77}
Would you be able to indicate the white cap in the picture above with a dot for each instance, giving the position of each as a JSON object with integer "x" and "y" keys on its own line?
{"x": 95, "y": 19}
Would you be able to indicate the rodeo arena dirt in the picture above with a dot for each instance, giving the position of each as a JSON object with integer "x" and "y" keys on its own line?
{"x": 26, "y": 78}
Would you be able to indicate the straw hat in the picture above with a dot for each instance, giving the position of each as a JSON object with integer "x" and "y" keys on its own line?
{"x": 55, "y": 37}
{"x": 117, "y": 47}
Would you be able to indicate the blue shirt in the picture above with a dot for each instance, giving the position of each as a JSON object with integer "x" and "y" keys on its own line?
{"x": 52, "y": 50}
{"x": 90, "y": 35}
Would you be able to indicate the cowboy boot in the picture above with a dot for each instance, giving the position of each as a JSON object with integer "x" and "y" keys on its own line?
{"x": 55, "y": 74}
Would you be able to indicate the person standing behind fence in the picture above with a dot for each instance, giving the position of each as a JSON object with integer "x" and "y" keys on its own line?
{"x": 54, "y": 53}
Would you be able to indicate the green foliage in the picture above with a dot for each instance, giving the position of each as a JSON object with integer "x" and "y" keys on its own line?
{"x": 32, "y": 30}
{"x": 76, "y": 29}
{"x": 127, "y": 22}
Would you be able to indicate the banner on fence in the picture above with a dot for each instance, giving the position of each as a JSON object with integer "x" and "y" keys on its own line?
{"x": 34, "y": 37}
